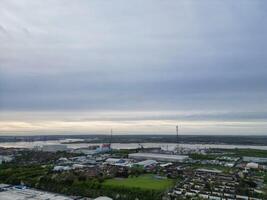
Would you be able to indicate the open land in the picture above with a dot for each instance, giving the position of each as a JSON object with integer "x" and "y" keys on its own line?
{"x": 148, "y": 181}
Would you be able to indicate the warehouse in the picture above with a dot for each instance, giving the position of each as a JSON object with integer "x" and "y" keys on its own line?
{"x": 158, "y": 157}
{"x": 147, "y": 163}
{"x": 255, "y": 159}
{"x": 15, "y": 193}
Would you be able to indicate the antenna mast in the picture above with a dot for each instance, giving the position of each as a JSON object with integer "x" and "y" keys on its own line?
{"x": 177, "y": 137}
{"x": 110, "y": 139}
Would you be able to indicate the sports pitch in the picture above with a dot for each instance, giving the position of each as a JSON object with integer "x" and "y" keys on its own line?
{"x": 148, "y": 181}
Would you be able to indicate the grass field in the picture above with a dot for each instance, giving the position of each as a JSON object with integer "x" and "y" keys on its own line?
{"x": 147, "y": 181}
{"x": 246, "y": 152}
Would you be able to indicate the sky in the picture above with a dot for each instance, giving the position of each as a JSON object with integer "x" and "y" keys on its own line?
{"x": 138, "y": 67}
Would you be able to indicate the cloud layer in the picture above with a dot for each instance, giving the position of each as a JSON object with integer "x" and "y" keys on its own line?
{"x": 125, "y": 57}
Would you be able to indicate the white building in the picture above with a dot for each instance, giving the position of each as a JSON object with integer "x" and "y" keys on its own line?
{"x": 147, "y": 163}
{"x": 252, "y": 165}
{"x": 158, "y": 157}
{"x": 113, "y": 161}
{"x": 103, "y": 198}
{"x": 5, "y": 159}
{"x": 63, "y": 160}
{"x": 14, "y": 193}
{"x": 119, "y": 162}
{"x": 78, "y": 166}
{"x": 166, "y": 164}
{"x": 212, "y": 171}
{"x": 61, "y": 168}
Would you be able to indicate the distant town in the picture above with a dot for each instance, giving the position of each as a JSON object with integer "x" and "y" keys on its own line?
{"x": 260, "y": 140}
{"x": 98, "y": 171}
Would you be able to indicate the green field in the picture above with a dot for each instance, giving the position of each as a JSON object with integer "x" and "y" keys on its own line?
{"x": 147, "y": 181}
{"x": 245, "y": 152}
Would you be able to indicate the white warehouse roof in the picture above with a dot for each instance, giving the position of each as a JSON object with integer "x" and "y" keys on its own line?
{"x": 158, "y": 157}
{"x": 147, "y": 163}
{"x": 252, "y": 165}
{"x": 103, "y": 198}
{"x": 30, "y": 194}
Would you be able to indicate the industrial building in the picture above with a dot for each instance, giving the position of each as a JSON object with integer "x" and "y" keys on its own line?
{"x": 104, "y": 148}
{"x": 147, "y": 163}
{"x": 5, "y": 159}
{"x": 255, "y": 159}
{"x": 158, "y": 157}
{"x": 8, "y": 192}
{"x": 103, "y": 198}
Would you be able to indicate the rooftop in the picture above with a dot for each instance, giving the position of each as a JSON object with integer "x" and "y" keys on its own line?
{"x": 159, "y": 156}
{"x": 209, "y": 170}
{"x": 30, "y": 194}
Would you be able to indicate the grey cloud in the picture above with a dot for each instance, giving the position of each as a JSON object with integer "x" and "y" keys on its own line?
{"x": 141, "y": 55}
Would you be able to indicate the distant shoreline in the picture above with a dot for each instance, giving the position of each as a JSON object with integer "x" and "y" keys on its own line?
{"x": 124, "y": 139}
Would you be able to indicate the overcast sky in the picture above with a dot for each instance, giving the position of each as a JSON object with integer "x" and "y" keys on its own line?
{"x": 135, "y": 66}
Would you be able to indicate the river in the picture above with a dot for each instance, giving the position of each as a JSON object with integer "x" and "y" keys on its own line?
{"x": 169, "y": 146}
